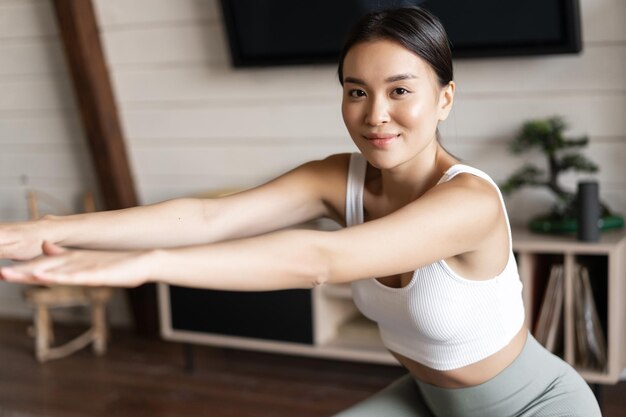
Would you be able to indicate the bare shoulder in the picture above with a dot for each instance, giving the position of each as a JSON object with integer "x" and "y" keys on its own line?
{"x": 336, "y": 164}
{"x": 311, "y": 190}
{"x": 471, "y": 205}
{"x": 479, "y": 206}
{"x": 331, "y": 171}
{"x": 475, "y": 193}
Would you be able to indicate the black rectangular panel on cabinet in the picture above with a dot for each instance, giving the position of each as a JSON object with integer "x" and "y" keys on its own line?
{"x": 274, "y": 315}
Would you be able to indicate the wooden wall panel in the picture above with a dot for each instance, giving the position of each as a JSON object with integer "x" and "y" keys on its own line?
{"x": 124, "y": 13}
{"x": 161, "y": 45}
{"x": 541, "y": 76}
{"x": 39, "y": 160}
{"x": 37, "y": 92}
{"x": 26, "y": 18}
{"x": 603, "y": 20}
{"x": 496, "y": 159}
{"x": 253, "y": 122}
{"x": 199, "y": 83}
{"x": 595, "y": 114}
{"x": 25, "y": 57}
{"x": 28, "y": 127}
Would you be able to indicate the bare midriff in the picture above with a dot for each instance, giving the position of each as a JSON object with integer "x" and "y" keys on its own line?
{"x": 472, "y": 374}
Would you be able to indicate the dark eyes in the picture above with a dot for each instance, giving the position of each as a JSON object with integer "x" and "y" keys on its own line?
{"x": 356, "y": 93}
{"x": 399, "y": 91}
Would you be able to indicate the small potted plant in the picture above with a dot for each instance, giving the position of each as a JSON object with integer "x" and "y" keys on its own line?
{"x": 562, "y": 154}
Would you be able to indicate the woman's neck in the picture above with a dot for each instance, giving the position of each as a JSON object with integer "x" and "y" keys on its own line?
{"x": 409, "y": 181}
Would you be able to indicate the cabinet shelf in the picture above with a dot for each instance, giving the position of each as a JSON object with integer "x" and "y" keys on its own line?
{"x": 338, "y": 291}
{"x": 606, "y": 262}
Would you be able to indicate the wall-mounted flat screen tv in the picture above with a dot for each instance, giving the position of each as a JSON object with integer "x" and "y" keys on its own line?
{"x": 290, "y": 32}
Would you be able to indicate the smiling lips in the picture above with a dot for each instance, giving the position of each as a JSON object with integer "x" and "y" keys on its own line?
{"x": 380, "y": 140}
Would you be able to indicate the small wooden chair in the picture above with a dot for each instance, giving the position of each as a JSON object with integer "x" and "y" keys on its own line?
{"x": 45, "y": 298}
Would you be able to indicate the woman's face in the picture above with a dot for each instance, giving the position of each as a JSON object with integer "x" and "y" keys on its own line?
{"x": 392, "y": 103}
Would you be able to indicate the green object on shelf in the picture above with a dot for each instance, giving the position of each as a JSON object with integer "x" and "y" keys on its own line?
{"x": 570, "y": 225}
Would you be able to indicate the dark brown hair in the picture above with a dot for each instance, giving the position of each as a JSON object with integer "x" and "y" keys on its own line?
{"x": 412, "y": 27}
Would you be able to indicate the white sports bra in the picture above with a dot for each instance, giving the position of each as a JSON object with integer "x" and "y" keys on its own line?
{"x": 440, "y": 319}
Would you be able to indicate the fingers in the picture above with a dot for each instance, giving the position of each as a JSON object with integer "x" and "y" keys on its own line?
{"x": 27, "y": 272}
{"x": 43, "y": 275}
{"x": 78, "y": 267}
{"x": 54, "y": 277}
{"x": 12, "y": 275}
{"x": 55, "y": 270}
{"x": 77, "y": 273}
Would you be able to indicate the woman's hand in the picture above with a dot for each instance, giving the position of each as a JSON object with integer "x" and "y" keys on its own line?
{"x": 58, "y": 265}
{"x": 21, "y": 241}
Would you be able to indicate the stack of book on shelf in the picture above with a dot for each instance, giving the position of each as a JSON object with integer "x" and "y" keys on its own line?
{"x": 589, "y": 341}
{"x": 549, "y": 324}
{"x": 590, "y": 345}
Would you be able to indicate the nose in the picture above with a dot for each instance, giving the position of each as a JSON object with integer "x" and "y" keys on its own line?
{"x": 377, "y": 112}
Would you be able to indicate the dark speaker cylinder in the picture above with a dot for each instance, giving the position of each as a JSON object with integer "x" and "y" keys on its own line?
{"x": 588, "y": 211}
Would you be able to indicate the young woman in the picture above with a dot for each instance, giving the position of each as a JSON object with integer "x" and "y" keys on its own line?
{"x": 427, "y": 243}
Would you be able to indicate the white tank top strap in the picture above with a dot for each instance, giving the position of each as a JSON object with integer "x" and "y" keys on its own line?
{"x": 354, "y": 193}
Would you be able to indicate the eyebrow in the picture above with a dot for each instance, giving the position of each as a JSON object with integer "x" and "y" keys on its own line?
{"x": 391, "y": 79}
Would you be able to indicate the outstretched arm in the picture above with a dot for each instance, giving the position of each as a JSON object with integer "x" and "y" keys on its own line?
{"x": 292, "y": 198}
{"x": 452, "y": 219}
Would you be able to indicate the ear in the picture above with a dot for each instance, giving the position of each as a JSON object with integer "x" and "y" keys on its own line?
{"x": 446, "y": 99}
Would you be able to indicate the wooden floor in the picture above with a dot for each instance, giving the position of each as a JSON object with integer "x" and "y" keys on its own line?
{"x": 144, "y": 377}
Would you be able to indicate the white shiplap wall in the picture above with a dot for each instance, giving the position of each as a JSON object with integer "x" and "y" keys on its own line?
{"x": 192, "y": 123}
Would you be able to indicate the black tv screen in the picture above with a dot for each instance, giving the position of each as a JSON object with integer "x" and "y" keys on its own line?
{"x": 282, "y": 32}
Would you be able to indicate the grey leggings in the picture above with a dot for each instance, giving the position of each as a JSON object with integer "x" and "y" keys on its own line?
{"x": 537, "y": 383}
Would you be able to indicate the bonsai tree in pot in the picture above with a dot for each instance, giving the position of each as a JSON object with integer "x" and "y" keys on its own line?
{"x": 562, "y": 154}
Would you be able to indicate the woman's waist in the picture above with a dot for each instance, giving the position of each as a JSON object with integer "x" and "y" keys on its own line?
{"x": 473, "y": 374}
